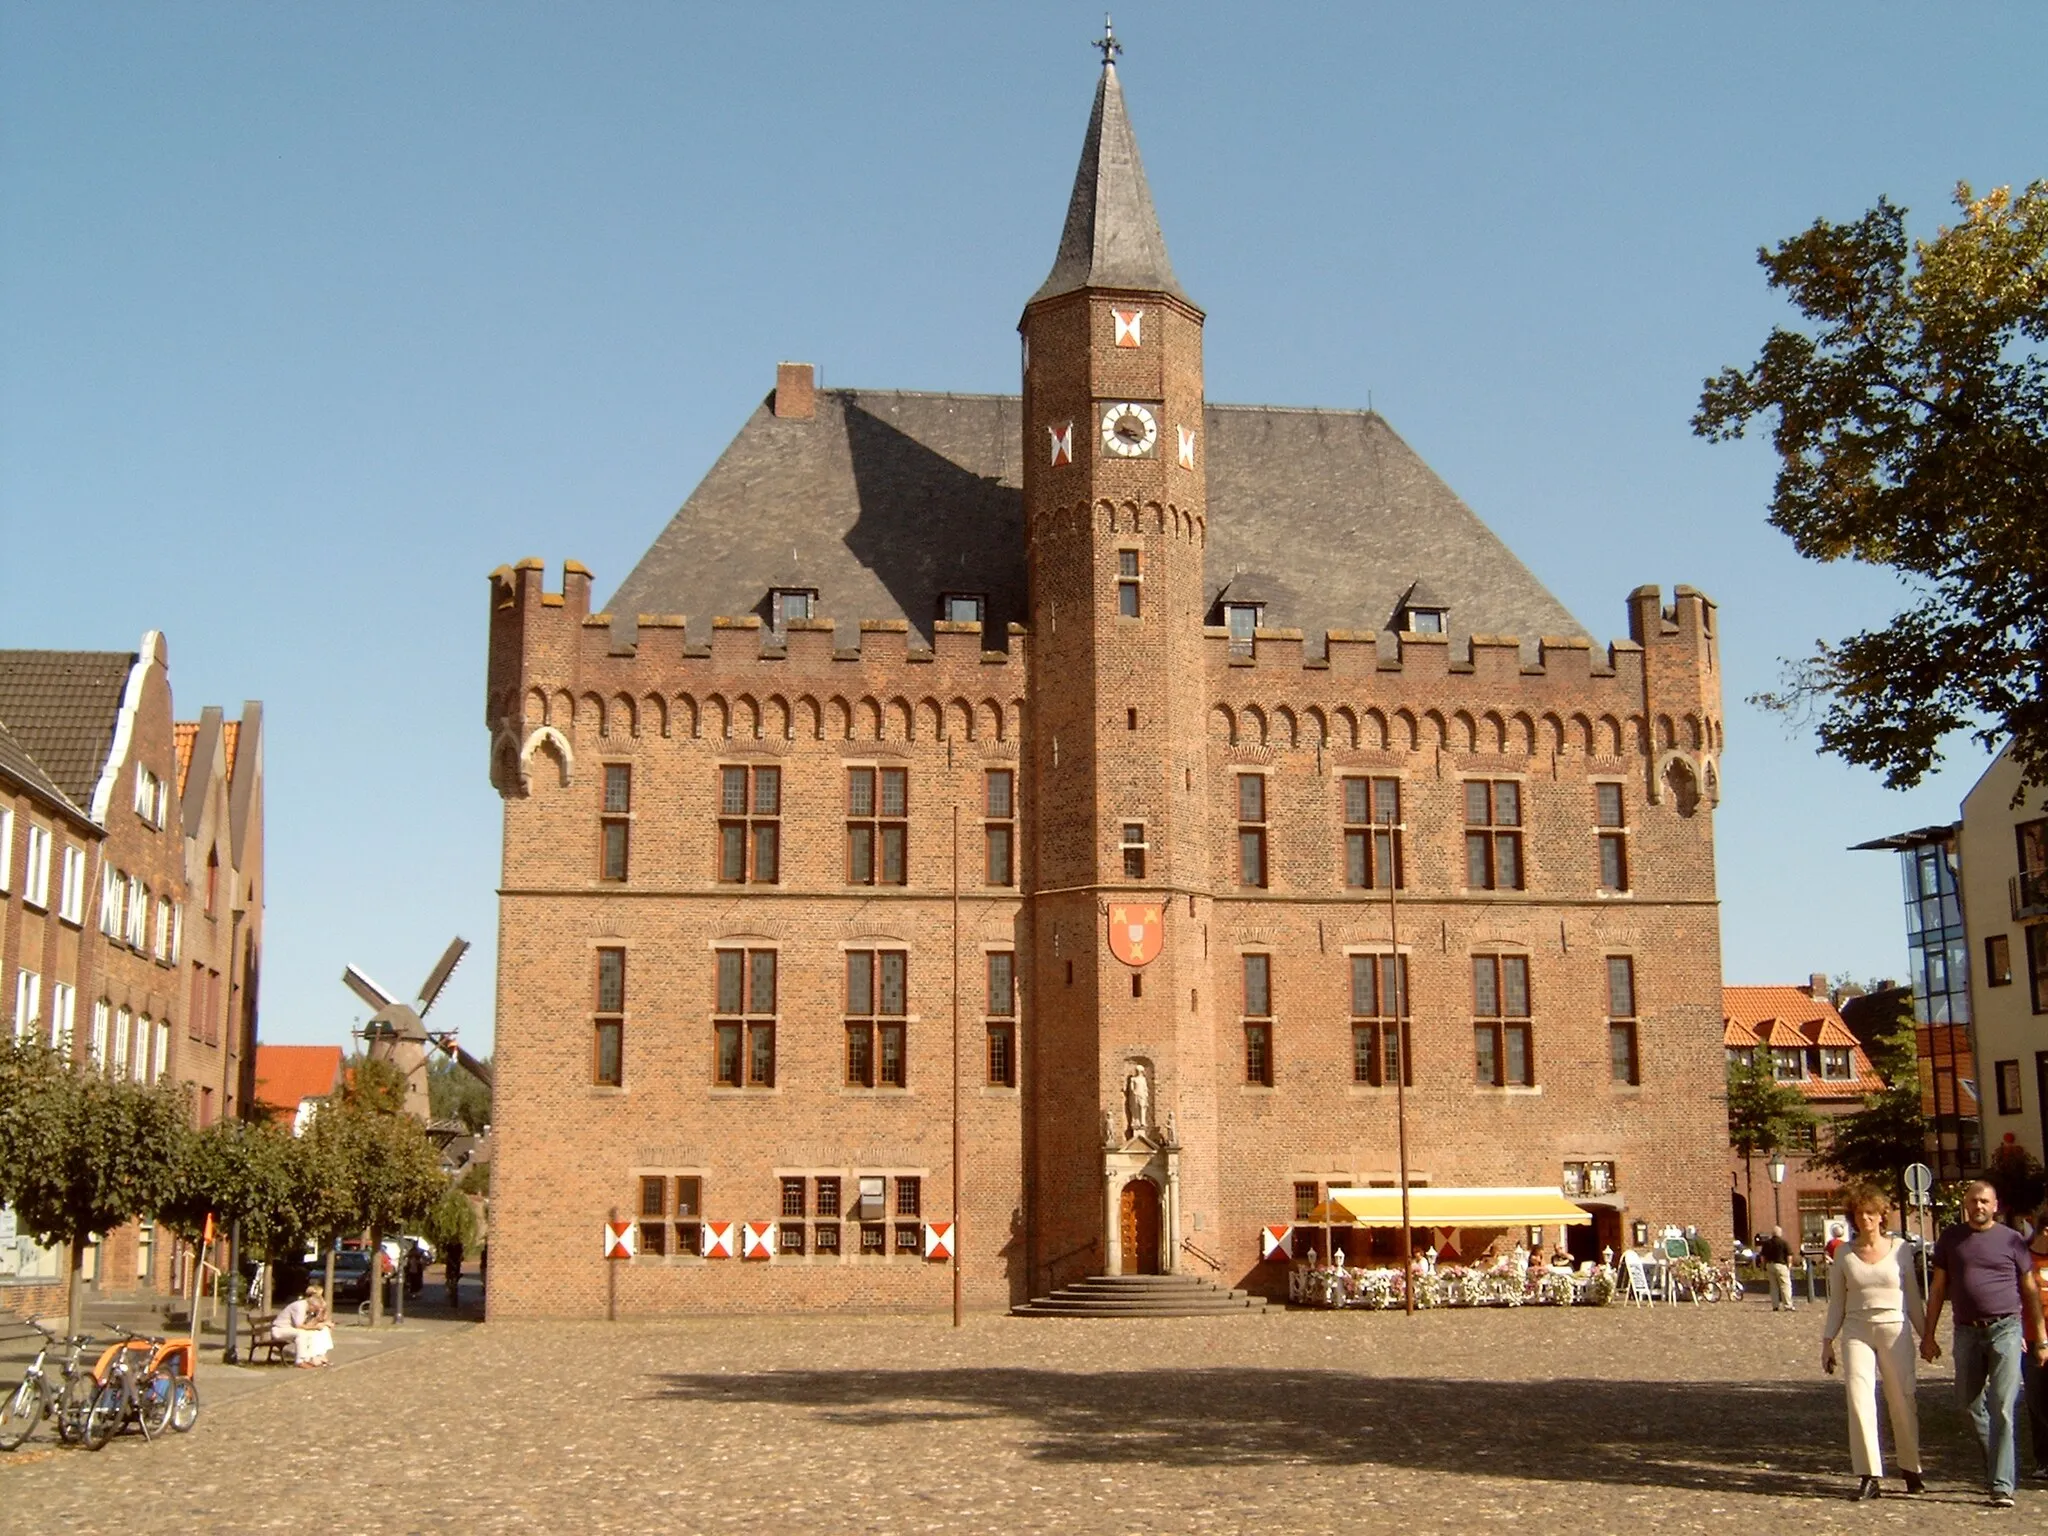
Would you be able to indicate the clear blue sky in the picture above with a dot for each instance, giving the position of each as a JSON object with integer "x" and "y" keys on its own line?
{"x": 310, "y": 316}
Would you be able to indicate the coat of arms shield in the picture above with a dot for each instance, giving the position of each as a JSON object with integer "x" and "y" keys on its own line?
{"x": 1135, "y": 930}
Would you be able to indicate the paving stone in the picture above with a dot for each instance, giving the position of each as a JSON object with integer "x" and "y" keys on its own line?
{"x": 1666, "y": 1419}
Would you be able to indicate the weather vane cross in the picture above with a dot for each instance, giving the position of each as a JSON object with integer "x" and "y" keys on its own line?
{"x": 1108, "y": 44}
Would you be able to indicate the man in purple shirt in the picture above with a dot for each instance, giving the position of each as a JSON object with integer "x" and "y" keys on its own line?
{"x": 1985, "y": 1266}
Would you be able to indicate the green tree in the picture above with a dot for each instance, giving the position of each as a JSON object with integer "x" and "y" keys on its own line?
{"x": 242, "y": 1171}
{"x": 80, "y": 1154}
{"x": 2018, "y": 1177}
{"x": 452, "y": 1220}
{"x": 1911, "y": 429}
{"x": 1876, "y": 1142}
{"x": 1763, "y": 1117}
{"x": 390, "y": 1171}
{"x": 452, "y": 1094}
{"x": 324, "y": 1184}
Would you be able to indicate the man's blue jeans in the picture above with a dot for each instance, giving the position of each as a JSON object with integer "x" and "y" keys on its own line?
{"x": 1988, "y": 1382}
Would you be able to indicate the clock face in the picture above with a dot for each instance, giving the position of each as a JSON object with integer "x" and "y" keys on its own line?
{"x": 1129, "y": 430}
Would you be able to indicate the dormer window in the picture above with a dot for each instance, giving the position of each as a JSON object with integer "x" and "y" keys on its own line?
{"x": 786, "y": 603}
{"x": 963, "y": 607}
{"x": 1421, "y": 612}
{"x": 1243, "y": 620}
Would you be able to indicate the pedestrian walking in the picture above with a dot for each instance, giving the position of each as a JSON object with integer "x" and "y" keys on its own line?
{"x": 1985, "y": 1266}
{"x": 1775, "y": 1254}
{"x": 2035, "y": 1374}
{"x": 1875, "y": 1309}
{"x": 451, "y": 1261}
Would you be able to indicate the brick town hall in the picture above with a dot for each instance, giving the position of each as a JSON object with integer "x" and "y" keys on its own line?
{"x": 956, "y": 846}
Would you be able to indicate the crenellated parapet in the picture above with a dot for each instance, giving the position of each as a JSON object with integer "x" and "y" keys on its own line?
{"x": 1654, "y": 697}
{"x": 560, "y": 673}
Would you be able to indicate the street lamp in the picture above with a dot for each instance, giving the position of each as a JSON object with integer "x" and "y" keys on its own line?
{"x": 1776, "y": 1169}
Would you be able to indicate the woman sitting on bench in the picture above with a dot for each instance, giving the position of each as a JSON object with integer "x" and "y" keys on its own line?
{"x": 305, "y": 1326}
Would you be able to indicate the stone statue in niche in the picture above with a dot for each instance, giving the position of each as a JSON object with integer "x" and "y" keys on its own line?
{"x": 1137, "y": 1101}
{"x": 1109, "y": 1128}
{"x": 1172, "y": 1131}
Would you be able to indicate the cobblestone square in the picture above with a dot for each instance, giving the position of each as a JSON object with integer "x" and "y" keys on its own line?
{"x": 1665, "y": 1419}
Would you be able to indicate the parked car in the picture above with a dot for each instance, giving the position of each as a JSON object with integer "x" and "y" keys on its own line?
{"x": 351, "y": 1275}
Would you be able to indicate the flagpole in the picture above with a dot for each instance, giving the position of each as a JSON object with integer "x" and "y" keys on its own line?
{"x": 1400, "y": 1012}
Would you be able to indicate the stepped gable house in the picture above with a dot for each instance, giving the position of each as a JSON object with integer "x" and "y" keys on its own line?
{"x": 970, "y": 860}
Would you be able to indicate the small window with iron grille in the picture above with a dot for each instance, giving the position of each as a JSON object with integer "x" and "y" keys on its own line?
{"x": 1002, "y": 1018}
{"x": 689, "y": 1214}
{"x": 744, "y": 1028}
{"x": 749, "y": 825}
{"x": 877, "y": 1006}
{"x": 790, "y": 1230}
{"x": 909, "y": 1202}
{"x": 877, "y": 828}
{"x": 653, "y": 1214}
{"x": 1306, "y": 1198}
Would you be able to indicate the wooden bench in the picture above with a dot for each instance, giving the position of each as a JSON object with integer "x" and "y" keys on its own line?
{"x": 260, "y": 1338}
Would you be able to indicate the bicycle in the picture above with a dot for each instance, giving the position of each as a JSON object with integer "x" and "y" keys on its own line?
{"x": 64, "y": 1399}
{"x": 141, "y": 1379}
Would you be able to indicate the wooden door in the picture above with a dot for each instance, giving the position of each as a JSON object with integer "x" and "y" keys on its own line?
{"x": 1140, "y": 1212}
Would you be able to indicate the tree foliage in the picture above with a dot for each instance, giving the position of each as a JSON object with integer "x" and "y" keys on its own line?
{"x": 242, "y": 1171}
{"x": 2018, "y": 1177}
{"x": 1876, "y": 1142}
{"x": 452, "y": 1094}
{"x": 1912, "y": 433}
{"x": 80, "y": 1153}
{"x": 451, "y": 1221}
{"x": 1763, "y": 1114}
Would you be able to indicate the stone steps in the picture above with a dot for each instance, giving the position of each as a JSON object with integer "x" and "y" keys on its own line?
{"x": 1142, "y": 1296}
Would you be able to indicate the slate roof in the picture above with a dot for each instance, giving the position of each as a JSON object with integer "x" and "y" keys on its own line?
{"x": 1111, "y": 238}
{"x": 19, "y": 765}
{"x": 61, "y": 707}
{"x": 886, "y": 499}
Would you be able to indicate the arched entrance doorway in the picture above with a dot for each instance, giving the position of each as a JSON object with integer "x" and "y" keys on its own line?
{"x": 1139, "y": 1207}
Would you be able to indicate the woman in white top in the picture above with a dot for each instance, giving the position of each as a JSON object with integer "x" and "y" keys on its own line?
{"x": 306, "y": 1324}
{"x": 1873, "y": 1297}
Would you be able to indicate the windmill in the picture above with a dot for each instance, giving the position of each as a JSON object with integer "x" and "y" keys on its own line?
{"x": 397, "y": 1032}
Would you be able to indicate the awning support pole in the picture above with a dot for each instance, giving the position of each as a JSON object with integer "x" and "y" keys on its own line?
{"x": 1400, "y": 1011}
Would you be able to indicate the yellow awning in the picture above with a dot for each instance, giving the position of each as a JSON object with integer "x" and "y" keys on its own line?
{"x": 1429, "y": 1207}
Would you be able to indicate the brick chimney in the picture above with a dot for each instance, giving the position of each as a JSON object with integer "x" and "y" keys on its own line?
{"x": 1817, "y": 986}
{"x": 796, "y": 391}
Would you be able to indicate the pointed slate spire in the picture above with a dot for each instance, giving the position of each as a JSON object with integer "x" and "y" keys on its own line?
{"x": 1112, "y": 237}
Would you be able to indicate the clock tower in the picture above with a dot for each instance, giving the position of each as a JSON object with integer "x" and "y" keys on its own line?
{"x": 1122, "y": 1066}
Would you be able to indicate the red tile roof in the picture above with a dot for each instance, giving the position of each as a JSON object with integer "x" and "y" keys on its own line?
{"x": 1790, "y": 1017}
{"x": 285, "y": 1074}
{"x": 183, "y": 734}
